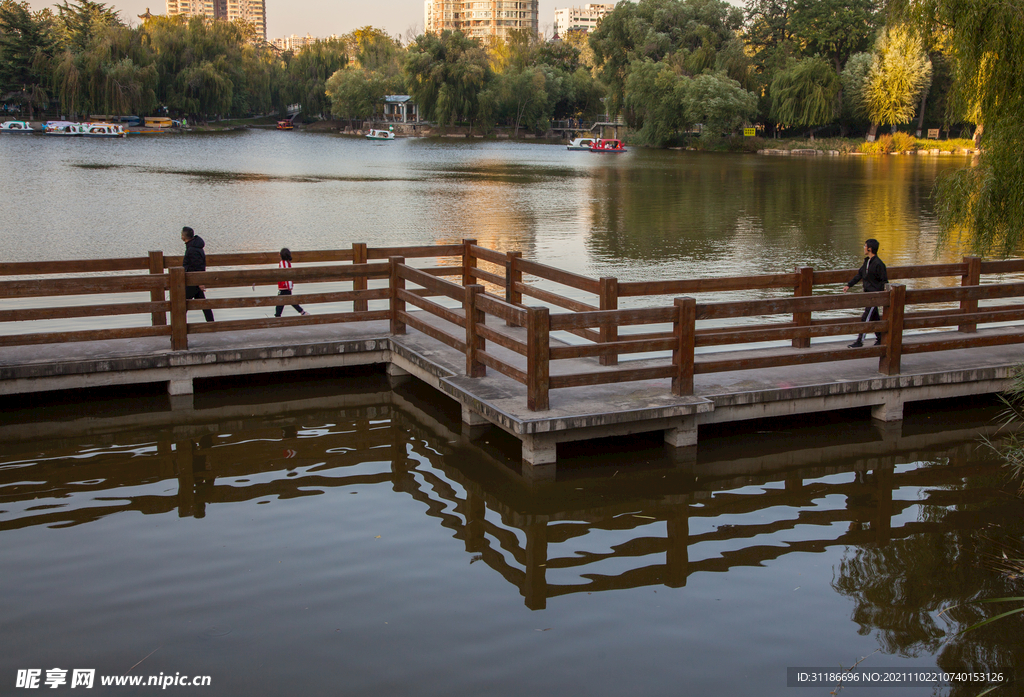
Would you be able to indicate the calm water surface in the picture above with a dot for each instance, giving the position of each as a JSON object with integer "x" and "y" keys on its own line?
{"x": 331, "y": 535}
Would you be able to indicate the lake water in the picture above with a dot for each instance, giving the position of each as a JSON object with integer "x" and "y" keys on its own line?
{"x": 326, "y": 534}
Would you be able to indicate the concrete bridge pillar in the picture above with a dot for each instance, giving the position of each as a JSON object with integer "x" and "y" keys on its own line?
{"x": 539, "y": 456}
{"x": 889, "y": 410}
{"x": 179, "y": 387}
{"x": 683, "y": 434}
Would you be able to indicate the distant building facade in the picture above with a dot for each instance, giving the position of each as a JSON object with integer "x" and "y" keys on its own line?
{"x": 481, "y": 18}
{"x": 583, "y": 19}
{"x": 296, "y": 43}
{"x": 252, "y": 11}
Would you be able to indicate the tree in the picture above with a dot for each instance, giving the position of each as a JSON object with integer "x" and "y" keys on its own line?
{"x": 308, "y": 71}
{"x": 720, "y": 103}
{"x": 355, "y": 93}
{"x": 25, "y": 49}
{"x": 446, "y": 74}
{"x": 835, "y": 29}
{"x": 688, "y": 34}
{"x": 806, "y": 94}
{"x": 899, "y": 72}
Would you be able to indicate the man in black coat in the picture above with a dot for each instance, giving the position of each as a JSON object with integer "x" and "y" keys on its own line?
{"x": 195, "y": 260}
{"x": 874, "y": 275}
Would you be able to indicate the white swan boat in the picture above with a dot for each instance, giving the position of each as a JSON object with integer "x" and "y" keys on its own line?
{"x": 374, "y": 134}
{"x": 16, "y": 127}
{"x": 103, "y": 130}
{"x": 580, "y": 144}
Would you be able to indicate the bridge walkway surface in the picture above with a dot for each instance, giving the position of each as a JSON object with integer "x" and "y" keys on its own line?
{"x": 574, "y": 413}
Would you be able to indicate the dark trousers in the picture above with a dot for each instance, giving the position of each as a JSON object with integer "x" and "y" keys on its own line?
{"x": 870, "y": 315}
{"x": 280, "y": 308}
{"x": 196, "y": 293}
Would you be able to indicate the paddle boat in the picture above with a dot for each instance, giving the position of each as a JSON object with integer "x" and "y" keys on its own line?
{"x": 374, "y": 134}
{"x": 285, "y": 125}
{"x": 103, "y": 130}
{"x": 607, "y": 145}
{"x": 62, "y": 128}
{"x": 580, "y": 144}
{"x": 16, "y": 127}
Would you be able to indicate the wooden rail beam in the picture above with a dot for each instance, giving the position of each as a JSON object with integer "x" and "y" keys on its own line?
{"x": 538, "y": 332}
{"x": 179, "y": 319}
{"x": 397, "y": 304}
{"x": 889, "y": 363}
{"x": 475, "y": 343}
{"x": 513, "y": 276}
{"x": 804, "y": 288}
{"x": 609, "y": 331}
{"x": 156, "y": 266}
{"x": 468, "y": 262}
{"x": 359, "y": 282}
{"x": 684, "y": 329}
{"x": 971, "y": 277}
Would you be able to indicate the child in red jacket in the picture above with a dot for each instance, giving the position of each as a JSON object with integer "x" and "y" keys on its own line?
{"x": 285, "y": 287}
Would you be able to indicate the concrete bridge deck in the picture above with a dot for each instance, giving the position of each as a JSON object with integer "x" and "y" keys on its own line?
{"x": 576, "y": 413}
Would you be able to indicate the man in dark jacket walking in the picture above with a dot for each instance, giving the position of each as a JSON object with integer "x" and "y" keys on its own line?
{"x": 195, "y": 260}
{"x": 874, "y": 275}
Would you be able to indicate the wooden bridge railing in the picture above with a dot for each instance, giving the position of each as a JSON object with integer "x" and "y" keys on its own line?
{"x": 464, "y": 305}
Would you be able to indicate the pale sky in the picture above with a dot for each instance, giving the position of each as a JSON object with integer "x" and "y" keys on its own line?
{"x": 322, "y": 18}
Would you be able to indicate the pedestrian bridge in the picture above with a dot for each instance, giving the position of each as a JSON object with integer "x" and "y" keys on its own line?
{"x": 587, "y": 358}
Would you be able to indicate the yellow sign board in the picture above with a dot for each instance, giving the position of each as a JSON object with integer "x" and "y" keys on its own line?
{"x": 749, "y": 132}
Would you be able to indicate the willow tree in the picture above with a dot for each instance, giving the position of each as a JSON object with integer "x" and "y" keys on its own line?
{"x": 983, "y": 205}
{"x": 899, "y": 73}
{"x": 446, "y": 75}
{"x": 806, "y": 94}
{"x": 26, "y": 47}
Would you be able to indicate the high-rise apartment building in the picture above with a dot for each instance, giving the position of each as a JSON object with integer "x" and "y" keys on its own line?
{"x": 252, "y": 11}
{"x": 583, "y": 19}
{"x": 481, "y": 18}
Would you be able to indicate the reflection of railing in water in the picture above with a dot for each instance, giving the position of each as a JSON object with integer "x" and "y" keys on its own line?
{"x": 397, "y": 439}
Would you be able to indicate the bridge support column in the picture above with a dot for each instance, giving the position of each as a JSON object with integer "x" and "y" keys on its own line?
{"x": 179, "y": 387}
{"x": 397, "y": 376}
{"x": 889, "y": 410}
{"x": 473, "y": 425}
{"x": 539, "y": 456}
{"x": 683, "y": 434}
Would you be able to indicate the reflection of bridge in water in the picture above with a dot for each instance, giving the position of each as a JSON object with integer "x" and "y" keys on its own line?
{"x": 663, "y": 515}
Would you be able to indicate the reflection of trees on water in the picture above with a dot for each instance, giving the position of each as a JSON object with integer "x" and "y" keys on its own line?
{"x": 740, "y": 215}
{"x": 899, "y": 588}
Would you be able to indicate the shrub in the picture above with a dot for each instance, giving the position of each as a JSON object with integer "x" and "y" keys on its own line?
{"x": 901, "y": 142}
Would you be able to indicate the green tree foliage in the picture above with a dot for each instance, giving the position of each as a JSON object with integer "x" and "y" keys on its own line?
{"x": 26, "y": 48}
{"x": 806, "y": 94}
{"x": 899, "y": 72}
{"x": 446, "y": 74}
{"x": 309, "y": 70}
{"x": 687, "y": 34}
{"x": 835, "y": 29}
{"x": 983, "y": 206}
{"x": 720, "y": 103}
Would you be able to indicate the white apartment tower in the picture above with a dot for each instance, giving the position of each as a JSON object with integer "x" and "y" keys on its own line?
{"x": 481, "y": 18}
{"x": 583, "y": 19}
{"x": 252, "y": 11}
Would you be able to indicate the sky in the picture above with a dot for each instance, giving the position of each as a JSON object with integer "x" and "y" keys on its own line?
{"x": 321, "y": 18}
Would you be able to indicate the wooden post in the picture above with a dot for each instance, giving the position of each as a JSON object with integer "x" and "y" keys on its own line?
{"x": 609, "y": 300}
{"x": 512, "y": 276}
{"x": 156, "y": 266}
{"x": 468, "y": 262}
{"x": 179, "y": 320}
{"x": 684, "y": 328}
{"x": 889, "y": 363}
{"x": 538, "y": 330}
{"x": 474, "y": 342}
{"x": 971, "y": 278}
{"x": 397, "y": 305}
{"x": 359, "y": 283}
{"x": 804, "y": 288}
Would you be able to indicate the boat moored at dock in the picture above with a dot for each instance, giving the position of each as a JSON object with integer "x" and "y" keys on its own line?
{"x": 16, "y": 127}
